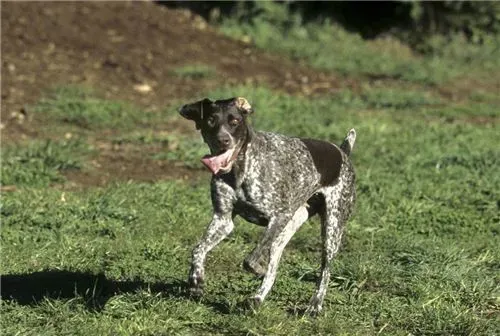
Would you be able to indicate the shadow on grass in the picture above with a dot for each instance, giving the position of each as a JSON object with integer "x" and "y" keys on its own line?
{"x": 96, "y": 289}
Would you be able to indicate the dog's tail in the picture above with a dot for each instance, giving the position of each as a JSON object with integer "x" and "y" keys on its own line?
{"x": 348, "y": 143}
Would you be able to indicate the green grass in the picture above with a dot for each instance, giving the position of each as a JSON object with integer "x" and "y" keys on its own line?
{"x": 195, "y": 71}
{"x": 187, "y": 150}
{"x": 41, "y": 162}
{"x": 80, "y": 107}
{"x": 325, "y": 45}
{"x": 420, "y": 257}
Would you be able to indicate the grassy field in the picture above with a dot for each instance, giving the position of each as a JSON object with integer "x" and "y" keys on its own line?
{"x": 330, "y": 47}
{"x": 421, "y": 252}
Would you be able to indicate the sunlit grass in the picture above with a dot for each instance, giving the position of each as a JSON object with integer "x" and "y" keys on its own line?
{"x": 325, "y": 45}
{"x": 420, "y": 254}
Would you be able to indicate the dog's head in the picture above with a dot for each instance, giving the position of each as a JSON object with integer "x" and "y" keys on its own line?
{"x": 223, "y": 127}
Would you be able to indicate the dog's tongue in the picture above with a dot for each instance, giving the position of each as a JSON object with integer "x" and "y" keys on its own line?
{"x": 215, "y": 162}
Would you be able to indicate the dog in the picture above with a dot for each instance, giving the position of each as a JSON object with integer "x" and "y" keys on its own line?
{"x": 274, "y": 181}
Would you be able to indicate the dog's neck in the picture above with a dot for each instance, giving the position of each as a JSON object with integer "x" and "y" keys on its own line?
{"x": 239, "y": 167}
{"x": 237, "y": 173}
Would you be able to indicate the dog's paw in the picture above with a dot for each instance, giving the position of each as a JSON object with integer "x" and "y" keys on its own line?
{"x": 195, "y": 292}
{"x": 315, "y": 307}
{"x": 196, "y": 283}
{"x": 252, "y": 303}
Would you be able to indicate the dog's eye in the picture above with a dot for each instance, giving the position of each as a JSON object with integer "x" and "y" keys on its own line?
{"x": 211, "y": 121}
{"x": 234, "y": 122}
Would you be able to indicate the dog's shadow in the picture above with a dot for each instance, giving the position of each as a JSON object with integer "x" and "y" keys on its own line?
{"x": 95, "y": 289}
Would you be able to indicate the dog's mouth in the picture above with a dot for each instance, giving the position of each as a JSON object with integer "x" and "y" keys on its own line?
{"x": 221, "y": 163}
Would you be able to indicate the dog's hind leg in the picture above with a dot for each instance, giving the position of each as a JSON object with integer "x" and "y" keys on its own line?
{"x": 332, "y": 225}
{"x": 276, "y": 239}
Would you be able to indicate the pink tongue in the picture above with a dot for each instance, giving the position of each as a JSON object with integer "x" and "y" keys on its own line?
{"x": 214, "y": 163}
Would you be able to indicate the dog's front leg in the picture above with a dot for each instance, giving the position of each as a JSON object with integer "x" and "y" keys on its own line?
{"x": 218, "y": 229}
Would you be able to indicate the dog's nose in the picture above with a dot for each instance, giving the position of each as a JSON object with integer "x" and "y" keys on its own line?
{"x": 224, "y": 141}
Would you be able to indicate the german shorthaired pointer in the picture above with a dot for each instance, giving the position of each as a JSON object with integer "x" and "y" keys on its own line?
{"x": 273, "y": 181}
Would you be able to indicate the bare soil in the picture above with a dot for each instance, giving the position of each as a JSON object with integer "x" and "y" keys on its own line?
{"x": 124, "y": 166}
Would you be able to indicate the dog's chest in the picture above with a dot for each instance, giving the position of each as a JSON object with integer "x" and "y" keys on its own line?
{"x": 252, "y": 204}
{"x": 278, "y": 176}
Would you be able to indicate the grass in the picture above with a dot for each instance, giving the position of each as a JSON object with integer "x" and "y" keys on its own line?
{"x": 325, "y": 45}
{"x": 40, "y": 163}
{"x": 79, "y": 106}
{"x": 421, "y": 253}
{"x": 420, "y": 256}
{"x": 195, "y": 71}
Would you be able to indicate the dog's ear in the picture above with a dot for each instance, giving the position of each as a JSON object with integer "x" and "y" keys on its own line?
{"x": 195, "y": 111}
{"x": 243, "y": 105}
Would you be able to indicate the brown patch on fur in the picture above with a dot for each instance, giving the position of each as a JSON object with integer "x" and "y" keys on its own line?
{"x": 327, "y": 159}
{"x": 244, "y": 105}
